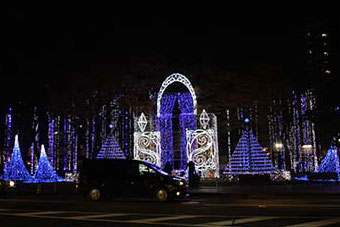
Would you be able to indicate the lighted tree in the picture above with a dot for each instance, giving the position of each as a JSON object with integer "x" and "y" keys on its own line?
{"x": 330, "y": 162}
{"x": 249, "y": 157}
{"x": 15, "y": 169}
{"x": 111, "y": 149}
{"x": 45, "y": 172}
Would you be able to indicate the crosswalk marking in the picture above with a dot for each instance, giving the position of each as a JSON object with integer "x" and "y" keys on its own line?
{"x": 237, "y": 221}
{"x": 41, "y": 213}
{"x": 99, "y": 216}
{"x": 318, "y": 223}
{"x": 158, "y": 219}
{"x": 165, "y": 219}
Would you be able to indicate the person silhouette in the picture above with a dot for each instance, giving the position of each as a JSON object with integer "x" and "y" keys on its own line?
{"x": 168, "y": 168}
{"x": 191, "y": 173}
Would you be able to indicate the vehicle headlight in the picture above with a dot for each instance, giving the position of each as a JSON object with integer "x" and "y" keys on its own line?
{"x": 11, "y": 184}
{"x": 180, "y": 182}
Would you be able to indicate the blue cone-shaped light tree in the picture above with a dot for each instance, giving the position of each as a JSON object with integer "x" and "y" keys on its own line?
{"x": 330, "y": 162}
{"x": 45, "y": 172}
{"x": 249, "y": 157}
{"x": 15, "y": 168}
{"x": 111, "y": 149}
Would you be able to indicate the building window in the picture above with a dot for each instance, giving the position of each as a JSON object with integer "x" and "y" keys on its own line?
{"x": 328, "y": 71}
{"x": 324, "y": 35}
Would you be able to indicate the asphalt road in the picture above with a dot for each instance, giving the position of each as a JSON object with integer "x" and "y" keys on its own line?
{"x": 202, "y": 209}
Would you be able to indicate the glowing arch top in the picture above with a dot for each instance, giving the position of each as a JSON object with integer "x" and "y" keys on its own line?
{"x": 176, "y": 77}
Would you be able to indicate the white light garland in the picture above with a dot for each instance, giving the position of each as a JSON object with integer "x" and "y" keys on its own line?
{"x": 176, "y": 77}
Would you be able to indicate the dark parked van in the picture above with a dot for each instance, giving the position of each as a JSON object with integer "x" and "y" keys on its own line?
{"x": 106, "y": 178}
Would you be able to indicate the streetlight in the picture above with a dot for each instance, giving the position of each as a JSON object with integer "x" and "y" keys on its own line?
{"x": 278, "y": 145}
{"x": 307, "y": 146}
{"x": 279, "y": 155}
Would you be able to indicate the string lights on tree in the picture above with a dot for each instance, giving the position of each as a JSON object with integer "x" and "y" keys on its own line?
{"x": 111, "y": 149}
{"x": 45, "y": 171}
{"x": 330, "y": 162}
{"x": 15, "y": 169}
{"x": 249, "y": 157}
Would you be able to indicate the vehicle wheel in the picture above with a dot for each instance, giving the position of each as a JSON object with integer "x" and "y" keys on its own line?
{"x": 161, "y": 195}
{"x": 94, "y": 194}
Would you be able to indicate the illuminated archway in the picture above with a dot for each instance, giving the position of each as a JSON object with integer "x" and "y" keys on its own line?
{"x": 176, "y": 77}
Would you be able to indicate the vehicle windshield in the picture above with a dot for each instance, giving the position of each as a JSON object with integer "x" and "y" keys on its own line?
{"x": 158, "y": 169}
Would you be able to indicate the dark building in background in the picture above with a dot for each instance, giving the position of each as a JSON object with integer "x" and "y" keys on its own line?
{"x": 322, "y": 71}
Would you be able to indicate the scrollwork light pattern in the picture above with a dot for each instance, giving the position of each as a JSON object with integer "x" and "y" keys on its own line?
{"x": 201, "y": 150}
{"x": 147, "y": 147}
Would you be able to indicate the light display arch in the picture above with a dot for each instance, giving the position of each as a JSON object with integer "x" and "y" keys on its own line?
{"x": 175, "y": 77}
{"x": 176, "y": 135}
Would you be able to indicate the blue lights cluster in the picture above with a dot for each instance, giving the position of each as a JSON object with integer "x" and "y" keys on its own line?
{"x": 330, "y": 163}
{"x": 111, "y": 149}
{"x": 164, "y": 124}
{"x": 248, "y": 157}
{"x": 16, "y": 169}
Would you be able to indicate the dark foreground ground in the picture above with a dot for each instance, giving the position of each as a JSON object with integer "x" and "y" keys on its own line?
{"x": 238, "y": 205}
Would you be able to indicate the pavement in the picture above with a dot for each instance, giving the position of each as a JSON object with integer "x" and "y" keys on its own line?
{"x": 208, "y": 210}
{"x": 227, "y": 205}
{"x": 284, "y": 189}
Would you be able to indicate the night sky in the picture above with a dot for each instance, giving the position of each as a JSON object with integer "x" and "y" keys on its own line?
{"x": 51, "y": 54}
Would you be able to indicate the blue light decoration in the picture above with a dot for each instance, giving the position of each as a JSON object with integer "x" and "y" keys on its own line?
{"x": 15, "y": 169}
{"x": 8, "y": 135}
{"x": 111, "y": 149}
{"x": 103, "y": 118}
{"x": 330, "y": 162}
{"x": 246, "y": 120}
{"x": 73, "y": 140}
{"x": 308, "y": 157}
{"x": 164, "y": 125}
{"x": 57, "y": 157}
{"x": 295, "y": 132}
{"x": 35, "y": 143}
{"x": 66, "y": 144}
{"x": 75, "y": 153}
{"x": 32, "y": 157}
{"x": 87, "y": 139}
{"x": 51, "y": 139}
{"x": 93, "y": 131}
{"x": 187, "y": 121}
{"x": 249, "y": 157}
{"x": 45, "y": 172}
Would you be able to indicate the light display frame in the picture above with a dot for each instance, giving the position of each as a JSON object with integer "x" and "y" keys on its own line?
{"x": 202, "y": 147}
{"x": 147, "y": 144}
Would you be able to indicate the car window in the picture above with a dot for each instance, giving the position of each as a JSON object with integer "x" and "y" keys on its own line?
{"x": 144, "y": 169}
